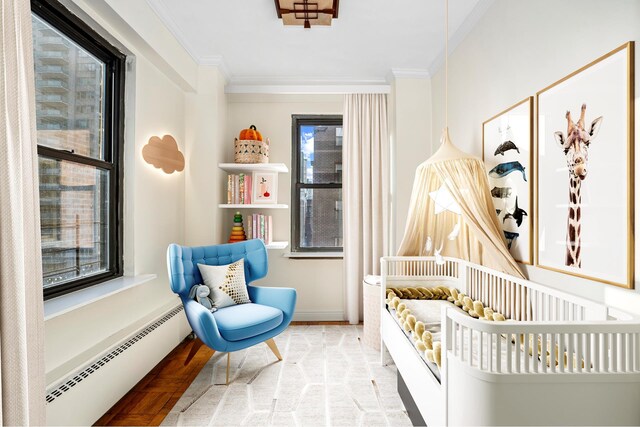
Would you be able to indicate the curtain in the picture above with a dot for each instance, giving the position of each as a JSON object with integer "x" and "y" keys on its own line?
{"x": 22, "y": 384}
{"x": 365, "y": 193}
{"x": 480, "y": 239}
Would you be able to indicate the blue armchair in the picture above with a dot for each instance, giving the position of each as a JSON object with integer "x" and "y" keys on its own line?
{"x": 238, "y": 326}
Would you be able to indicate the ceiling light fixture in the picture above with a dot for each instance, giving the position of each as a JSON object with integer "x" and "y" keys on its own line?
{"x": 305, "y": 12}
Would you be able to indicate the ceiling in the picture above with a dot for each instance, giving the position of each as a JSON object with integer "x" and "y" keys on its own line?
{"x": 368, "y": 39}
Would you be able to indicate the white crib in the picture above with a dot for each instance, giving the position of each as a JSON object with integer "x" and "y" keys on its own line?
{"x": 488, "y": 378}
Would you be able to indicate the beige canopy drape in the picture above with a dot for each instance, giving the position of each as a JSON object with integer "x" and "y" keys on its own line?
{"x": 480, "y": 239}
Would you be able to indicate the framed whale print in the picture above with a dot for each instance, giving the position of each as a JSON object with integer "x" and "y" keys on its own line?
{"x": 585, "y": 171}
{"x": 507, "y": 140}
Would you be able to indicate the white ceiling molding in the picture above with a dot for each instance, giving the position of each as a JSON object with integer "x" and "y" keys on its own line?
{"x": 409, "y": 73}
{"x": 461, "y": 33}
{"x": 173, "y": 28}
{"x": 301, "y": 85}
{"x": 309, "y": 89}
{"x": 218, "y": 62}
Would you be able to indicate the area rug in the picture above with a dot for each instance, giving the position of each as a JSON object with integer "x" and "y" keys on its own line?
{"x": 328, "y": 377}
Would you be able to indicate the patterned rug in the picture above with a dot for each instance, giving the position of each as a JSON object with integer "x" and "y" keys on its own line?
{"x": 328, "y": 378}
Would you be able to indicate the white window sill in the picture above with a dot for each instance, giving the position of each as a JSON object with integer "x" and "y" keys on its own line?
{"x": 311, "y": 255}
{"x": 65, "y": 303}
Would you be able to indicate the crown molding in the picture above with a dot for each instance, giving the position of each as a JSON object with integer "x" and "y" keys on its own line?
{"x": 214, "y": 60}
{"x": 309, "y": 89}
{"x": 159, "y": 8}
{"x": 218, "y": 62}
{"x": 461, "y": 33}
{"x": 305, "y": 85}
{"x": 408, "y": 73}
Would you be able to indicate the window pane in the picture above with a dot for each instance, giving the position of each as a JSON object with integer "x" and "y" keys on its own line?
{"x": 69, "y": 88}
{"x": 320, "y": 154}
{"x": 74, "y": 210}
{"x": 321, "y": 218}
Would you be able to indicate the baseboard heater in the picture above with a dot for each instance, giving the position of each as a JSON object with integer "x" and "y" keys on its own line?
{"x": 85, "y": 395}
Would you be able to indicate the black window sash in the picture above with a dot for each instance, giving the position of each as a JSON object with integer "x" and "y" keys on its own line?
{"x": 59, "y": 17}
{"x": 297, "y": 122}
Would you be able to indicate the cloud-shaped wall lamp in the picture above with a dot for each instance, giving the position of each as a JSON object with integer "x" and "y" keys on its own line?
{"x": 163, "y": 154}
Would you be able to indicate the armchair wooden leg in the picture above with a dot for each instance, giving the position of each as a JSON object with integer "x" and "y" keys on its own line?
{"x": 197, "y": 343}
{"x": 274, "y": 348}
{"x": 228, "y": 363}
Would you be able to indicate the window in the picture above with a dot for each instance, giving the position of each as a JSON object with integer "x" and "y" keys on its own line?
{"x": 316, "y": 214}
{"x": 79, "y": 80}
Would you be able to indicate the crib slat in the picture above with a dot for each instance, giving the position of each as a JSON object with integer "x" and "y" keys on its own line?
{"x": 570, "y": 343}
{"x": 588, "y": 352}
{"x": 596, "y": 353}
{"x": 480, "y": 350}
{"x": 628, "y": 367}
{"x": 636, "y": 357}
{"x": 578, "y": 361}
{"x": 561, "y": 352}
{"x": 543, "y": 352}
{"x": 509, "y": 351}
{"x": 527, "y": 357}
{"x": 469, "y": 346}
{"x": 553, "y": 345}
{"x": 516, "y": 348}
{"x": 614, "y": 352}
{"x": 498, "y": 353}
{"x": 621, "y": 351}
{"x": 490, "y": 352}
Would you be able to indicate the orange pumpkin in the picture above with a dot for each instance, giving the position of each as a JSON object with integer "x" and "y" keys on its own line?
{"x": 250, "y": 134}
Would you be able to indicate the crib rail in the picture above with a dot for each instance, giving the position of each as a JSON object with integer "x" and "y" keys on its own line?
{"x": 520, "y": 299}
{"x": 418, "y": 267}
{"x": 516, "y": 347}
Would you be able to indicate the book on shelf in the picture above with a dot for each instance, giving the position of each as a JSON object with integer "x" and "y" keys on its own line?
{"x": 260, "y": 226}
{"x": 239, "y": 189}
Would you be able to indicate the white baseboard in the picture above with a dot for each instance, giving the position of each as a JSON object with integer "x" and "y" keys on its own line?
{"x": 318, "y": 316}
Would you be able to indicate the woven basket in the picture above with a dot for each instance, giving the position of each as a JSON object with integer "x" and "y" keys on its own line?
{"x": 250, "y": 151}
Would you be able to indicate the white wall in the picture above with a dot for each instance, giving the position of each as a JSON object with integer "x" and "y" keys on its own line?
{"x": 319, "y": 281}
{"x": 518, "y": 48}
{"x": 207, "y": 145}
{"x": 410, "y": 133}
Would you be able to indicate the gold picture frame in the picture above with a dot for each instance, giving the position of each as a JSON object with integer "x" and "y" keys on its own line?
{"x": 519, "y": 117}
{"x": 607, "y": 92}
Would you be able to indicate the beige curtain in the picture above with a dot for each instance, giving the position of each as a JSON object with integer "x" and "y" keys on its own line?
{"x": 365, "y": 193}
{"x": 21, "y": 308}
{"x": 480, "y": 239}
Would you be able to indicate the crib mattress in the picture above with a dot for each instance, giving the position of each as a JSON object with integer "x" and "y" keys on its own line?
{"x": 429, "y": 312}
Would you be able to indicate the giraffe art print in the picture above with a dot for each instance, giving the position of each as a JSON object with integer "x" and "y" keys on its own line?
{"x": 575, "y": 145}
{"x": 585, "y": 147}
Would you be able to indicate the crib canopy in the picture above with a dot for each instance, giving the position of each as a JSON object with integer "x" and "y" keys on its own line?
{"x": 452, "y": 214}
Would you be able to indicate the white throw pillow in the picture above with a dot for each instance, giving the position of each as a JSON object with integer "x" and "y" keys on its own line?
{"x": 227, "y": 283}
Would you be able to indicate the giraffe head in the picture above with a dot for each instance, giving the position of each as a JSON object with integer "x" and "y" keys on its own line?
{"x": 576, "y": 143}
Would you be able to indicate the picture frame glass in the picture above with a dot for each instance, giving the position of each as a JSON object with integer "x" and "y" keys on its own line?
{"x": 265, "y": 187}
{"x": 507, "y": 154}
{"x": 584, "y": 173}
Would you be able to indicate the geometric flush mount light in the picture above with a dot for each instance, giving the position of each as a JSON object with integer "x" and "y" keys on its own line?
{"x": 163, "y": 154}
{"x": 307, "y": 12}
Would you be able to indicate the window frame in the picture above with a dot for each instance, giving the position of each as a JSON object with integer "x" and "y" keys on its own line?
{"x": 59, "y": 17}
{"x": 298, "y": 120}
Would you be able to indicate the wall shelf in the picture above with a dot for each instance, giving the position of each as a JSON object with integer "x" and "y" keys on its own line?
{"x": 253, "y": 167}
{"x": 253, "y": 206}
{"x": 248, "y": 168}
